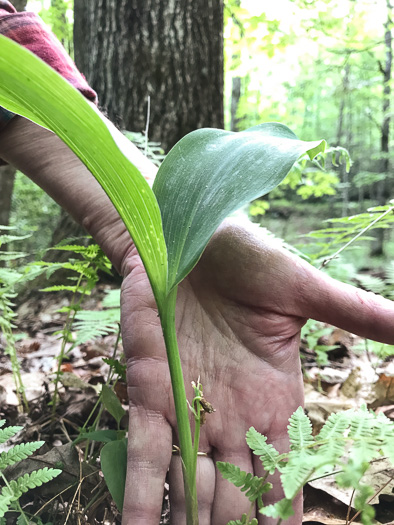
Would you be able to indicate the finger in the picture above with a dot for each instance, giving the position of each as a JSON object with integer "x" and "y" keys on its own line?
{"x": 149, "y": 455}
{"x": 230, "y": 503}
{"x": 276, "y": 493}
{"x": 325, "y": 299}
{"x": 205, "y": 478}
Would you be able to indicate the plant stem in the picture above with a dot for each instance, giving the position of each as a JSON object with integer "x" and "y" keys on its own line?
{"x": 74, "y": 305}
{"x": 329, "y": 259}
{"x": 196, "y": 441}
{"x": 181, "y": 408}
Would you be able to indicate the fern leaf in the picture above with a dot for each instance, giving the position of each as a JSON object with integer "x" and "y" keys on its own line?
{"x": 253, "y": 486}
{"x": 65, "y": 288}
{"x": 371, "y": 283}
{"x": 282, "y": 509}
{"x": 362, "y": 430}
{"x": 6, "y": 498}
{"x": 32, "y": 480}
{"x": 112, "y": 299}
{"x": 351, "y": 474}
{"x": 390, "y": 273}
{"x": 299, "y": 468}
{"x": 300, "y": 430}
{"x": 269, "y": 456}
{"x": 385, "y": 435}
{"x": 91, "y": 324}
{"x": 243, "y": 521}
{"x": 332, "y": 434}
{"x": 7, "y": 433}
{"x": 18, "y": 452}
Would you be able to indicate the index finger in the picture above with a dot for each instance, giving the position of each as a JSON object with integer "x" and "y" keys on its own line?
{"x": 149, "y": 456}
{"x": 363, "y": 313}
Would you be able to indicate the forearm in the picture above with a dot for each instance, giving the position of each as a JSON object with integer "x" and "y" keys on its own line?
{"x": 44, "y": 158}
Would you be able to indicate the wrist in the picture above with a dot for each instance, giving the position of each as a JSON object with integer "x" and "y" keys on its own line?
{"x": 43, "y": 157}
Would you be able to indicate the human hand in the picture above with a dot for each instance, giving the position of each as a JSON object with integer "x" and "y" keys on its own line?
{"x": 239, "y": 316}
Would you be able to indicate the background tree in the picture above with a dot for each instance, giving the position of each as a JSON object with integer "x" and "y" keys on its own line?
{"x": 169, "y": 51}
{"x": 7, "y": 173}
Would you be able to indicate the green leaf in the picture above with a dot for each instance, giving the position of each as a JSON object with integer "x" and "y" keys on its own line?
{"x": 18, "y": 452}
{"x": 253, "y": 486}
{"x": 113, "y": 464}
{"x": 8, "y": 432}
{"x": 269, "y": 456}
{"x": 282, "y": 509}
{"x": 209, "y": 174}
{"x": 102, "y": 436}
{"x": 112, "y": 403}
{"x": 298, "y": 470}
{"x": 31, "y": 88}
{"x": 300, "y": 430}
{"x": 31, "y": 481}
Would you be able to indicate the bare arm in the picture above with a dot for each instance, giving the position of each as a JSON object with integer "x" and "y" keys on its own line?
{"x": 44, "y": 158}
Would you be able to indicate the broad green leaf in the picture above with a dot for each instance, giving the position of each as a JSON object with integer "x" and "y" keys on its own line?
{"x": 32, "y": 89}
{"x": 112, "y": 404}
{"x": 282, "y": 509}
{"x": 102, "y": 436}
{"x": 209, "y": 174}
{"x": 113, "y": 464}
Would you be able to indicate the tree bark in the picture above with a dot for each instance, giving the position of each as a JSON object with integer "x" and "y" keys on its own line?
{"x": 7, "y": 173}
{"x": 7, "y": 178}
{"x": 235, "y": 98}
{"x": 169, "y": 50}
{"x": 382, "y": 188}
{"x": 341, "y": 119}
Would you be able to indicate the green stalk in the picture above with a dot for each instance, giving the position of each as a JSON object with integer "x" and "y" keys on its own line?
{"x": 167, "y": 317}
{"x": 196, "y": 441}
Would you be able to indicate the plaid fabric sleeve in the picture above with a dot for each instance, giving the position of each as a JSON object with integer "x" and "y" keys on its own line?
{"x": 29, "y": 30}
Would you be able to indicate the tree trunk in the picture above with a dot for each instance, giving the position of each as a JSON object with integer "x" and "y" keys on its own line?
{"x": 7, "y": 173}
{"x": 235, "y": 97}
{"x": 382, "y": 189}
{"x": 7, "y": 177}
{"x": 19, "y": 4}
{"x": 170, "y": 50}
{"x": 341, "y": 119}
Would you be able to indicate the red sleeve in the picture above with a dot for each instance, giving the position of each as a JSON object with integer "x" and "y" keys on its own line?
{"x": 30, "y": 31}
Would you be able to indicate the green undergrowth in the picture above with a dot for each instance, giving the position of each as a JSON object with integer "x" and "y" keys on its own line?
{"x": 345, "y": 448}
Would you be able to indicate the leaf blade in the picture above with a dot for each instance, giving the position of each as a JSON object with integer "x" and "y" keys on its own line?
{"x": 32, "y": 89}
{"x": 209, "y": 174}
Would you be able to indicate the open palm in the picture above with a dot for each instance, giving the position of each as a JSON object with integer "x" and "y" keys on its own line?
{"x": 239, "y": 316}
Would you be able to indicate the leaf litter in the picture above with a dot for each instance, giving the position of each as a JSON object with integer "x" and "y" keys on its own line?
{"x": 347, "y": 379}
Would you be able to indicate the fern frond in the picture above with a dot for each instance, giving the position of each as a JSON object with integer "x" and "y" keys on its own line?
{"x": 32, "y": 480}
{"x": 384, "y": 433}
{"x": 112, "y": 299}
{"x": 65, "y": 288}
{"x": 91, "y": 324}
{"x": 332, "y": 434}
{"x": 371, "y": 283}
{"x": 243, "y": 521}
{"x": 299, "y": 468}
{"x": 282, "y": 509}
{"x": 18, "y": 452}
{"x": 7, "y": 433}
{"x": 253, "y": 486}
{"x": 269, "y": 456}
{"x": 362, "y": 430}
{"x": 300, "y": 430}
{"x": 6, "y": 498}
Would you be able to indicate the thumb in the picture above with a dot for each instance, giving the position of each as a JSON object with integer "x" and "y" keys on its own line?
{"x": 363, "y": 313}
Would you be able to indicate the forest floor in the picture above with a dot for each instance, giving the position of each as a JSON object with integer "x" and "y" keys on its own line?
{"x": 351, "y": 376}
